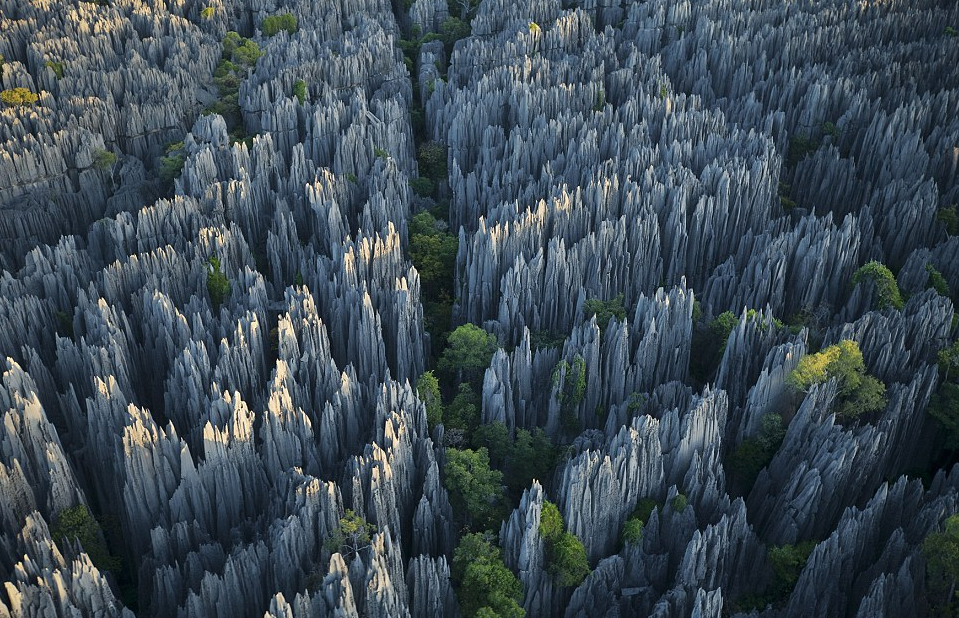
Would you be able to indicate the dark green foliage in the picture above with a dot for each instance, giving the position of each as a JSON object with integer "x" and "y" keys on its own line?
{"x": 542, "y": 339}
{"x": 941, "y": 551}
{"x": 299, "y": 91}
{"x": 605, "y": 310}
{"x": 859, "y": 393}
{"x": 600, "y": 101}
{"x": 428, "y": 389}
{"x": 831, "y": 130}
{"x": 239, "y": 56}
{"x": 636, "y": 522}
{"x": 216, "y": 283}
{"x": 103, "y": 159}
{"x": 494, "y": 437}
{"x": 565, "y": 555}
{"x": 722, "y": 326}
{"x": 77, "y": 523}
{"x": 754, "y": 454}
{"x": 171, "y": 165}
{"x": 433, "y": 252}
{"x": 709, "y": 344}
{"x": 484, "y": 586}
{"x": 530, "y": 456}
{"x": 273, "y": 24}
{"x": 475, "y": 490}
{"x": 431, "y": 160}
{"x": 451, "y": 31}
{"x": 785, "y": 196}
{"x": 240, "y": 50}
{"x": 13, "y": 97}
{"x": 571, "y": 383}
{"x": 936, "y": 281}
{"x": 680, "y": 502}
{"x": 56, "y": 67}
{"x": 469, "y": 350}
{"x": 421, "y": 186}
{"x": 64, "y": 324}
{"x": 464, "y": 411}
{"x": 887, "y": 291}
{"x": 950, "y": 219}
{"x": 380, "y": 153}
{"x": 800, "y": 146}
{"x": 944, "y": 408}
{"x": 950, "y": 31}
{"x": 352, "y": 535}
{"x": 948, "y": 361}
{"x": 787, "y": 562}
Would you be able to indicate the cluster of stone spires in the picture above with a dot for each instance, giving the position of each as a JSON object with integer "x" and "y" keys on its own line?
{"x": 636, "y": 149}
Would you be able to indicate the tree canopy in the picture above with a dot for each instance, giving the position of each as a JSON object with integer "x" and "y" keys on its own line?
{"x": 486, "y": 588}
{"x": 428, "y": 389}
{"x": 77, "y": 523}
{"x": 475, "y": 490}
{"x": 273, "y": 24}
{"x": 859, "y": 392}
{"x": 352, "y": 536}
{"x": 887, "y": 291}
{"x": 941, "y": 550}
{"x": 217, "y": 284}
{"x": 469, "y": 350}
{"x": 13, "y": 97}
{"x": 565, "y": 555}
{"x": 605, "y": 310}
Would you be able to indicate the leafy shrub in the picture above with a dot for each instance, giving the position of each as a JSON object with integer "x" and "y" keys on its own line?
{"x": 887, "y": 290}
{"x": 77, "y": 523}
{"x": 299, "y": 90}
{"x": 800, "y": 146}
{"x": 475, "y": 490}
{"x": 428, "y": 390}
{"x": 207, "y": 13}
{"x": 949, "y": 218}
{"x": 102, "y": 159}
{"x": 351, "y": 536}
{"x": 565, "y": 555}
{"x": 379, "y": 152}
{"x": 680, "y": 502}
{"x": 13, "y": 97}
{"x": 431, "y": 160}
{"x": 754, "y": 454}
{"x": 605, "y": 310}
{"x": 941, "y": 552}
{"x": 216, "y": 283}
{"x": 636, "y": 522}
{"x": 859, "y": 392}
{"x": 484, "y": 586}
{"x": 56, "y": 67}
{"x": 273, "y": 24}
{"x": 421, "y": 186}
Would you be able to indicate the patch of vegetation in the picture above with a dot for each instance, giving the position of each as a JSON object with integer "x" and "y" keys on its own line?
{"x": 171, "y": 165}
{"x": 859, "y": 393}
{"x": 431, "y": 160}
{"x": 565, "y": 555}
{"x": 379, "y": 152}
{"x": 605, "y": 310}
{"x": 949, "y": 218}
{"x": 800, "y": 146}
{"x": 15, "y": 97}
{"x": 754, "y": 454}
{"x": 484, "y": 586}
{"x": 64, "y": 324}
{"x": 273, "y": 24}
{"x": 636, "y": 522}
{"x": 600, "y": 101}
{"x": 680, "y": 502}
{"x": 936, "y": 281}
{"x": 785, "y": 197}
{"x": 475, "y": 490}
{"x": 422, "y": 187}
{"x": 468, "y": 352}
{"x": 103, "y": 159}
{"x": 543, "y": 339}
{"x": 77, "y": 523}
{"x": 56, "y": 67}
{"x": 571, "y": 382}
{"x": 299, "y": 91}
{"x": 352, "y": 536}
{"x": 887, "y": 291}
{"x": 788, "y": 562}
{"x": 207, "y": 13}
{"x": 217, "y": 284}
{"x": 531, "y": 455}
{"x": 428, "y": 390}
{"x": 238, "y": 58}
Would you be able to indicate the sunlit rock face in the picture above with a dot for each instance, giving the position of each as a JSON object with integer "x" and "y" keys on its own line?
{"x": 216, "y": 305}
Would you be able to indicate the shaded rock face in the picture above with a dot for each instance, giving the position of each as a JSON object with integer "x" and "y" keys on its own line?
{"x": 619, "y": 174}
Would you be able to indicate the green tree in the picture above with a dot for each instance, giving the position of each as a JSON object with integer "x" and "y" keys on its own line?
{"x": 273, "y": 24}
{"x": 352, "y": 535}
{"x": 754, "y": 454}
{"x": 887, "y": 291}
{"x": 464, "y": 411}
{"x": 565, "y": 555}
{"x": 216, "y": 283}
{"x": 680, "y": 502}
{"x": 494, "y": 437}
{"x": 56, "y": 67}
{"x": 950, "y": 219}
{"x": 469, "y": 350}
{"x": 944, "y": 408}
{"x": 633, "y": 528}
{"x": 605, "y": 310}
{"x": 787, "y": 562}
{"x": 859, "y": 392}
{"x": 431, "y": 161}
{"x": 428, "y": 389}
{"x": 207, "y": 13}
{"x": 941, "y": 550}
{"x": 532, "y": 456}
{"x": 103, "y": 159}
{"x": 14, "y": 97}
{"x": 484, "y": 586}
{"x": 948, "y": 360}
{"x": 433, "y": 252}
{"x": 475, "y": 490}
{"x": 936, "y": 281}
{"x": 77, "y": 523}
{"x": 299, "y": 91}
